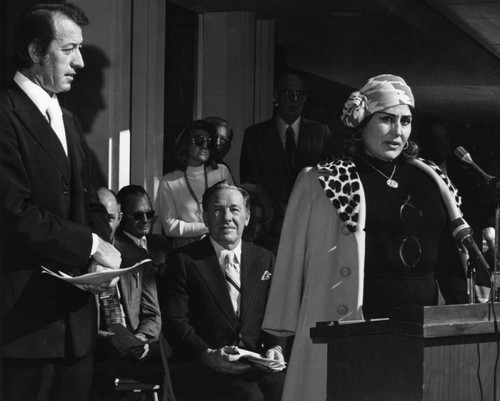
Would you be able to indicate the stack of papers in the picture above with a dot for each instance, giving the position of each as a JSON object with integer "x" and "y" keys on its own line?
{"x": 257, "y": 359}
{"x": 95, "y": 278}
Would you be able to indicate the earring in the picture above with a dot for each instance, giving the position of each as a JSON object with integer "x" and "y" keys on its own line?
{"x": 356, "y": 138}
{"x": 407, "y": 145}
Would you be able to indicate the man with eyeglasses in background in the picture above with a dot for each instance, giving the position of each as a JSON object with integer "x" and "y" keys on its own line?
{"x": 129, "y": 329}
{"x": 276, "y": 150}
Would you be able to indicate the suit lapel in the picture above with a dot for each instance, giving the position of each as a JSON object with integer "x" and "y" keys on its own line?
{"x": 128, "y": 282}
{"x": 75, "y": 152}
{"x": 125, "y": 283}
{"x": 211, "y": 272}
{"x": 275, "y": 144}
{"x": 250, "y": 277}
{"x": 39, "y": 128}
{"x": 272, "y": 149}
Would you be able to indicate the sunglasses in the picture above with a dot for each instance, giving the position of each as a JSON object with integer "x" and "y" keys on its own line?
{"x": 140, "y": 215}
{"x": 200, "y": 140}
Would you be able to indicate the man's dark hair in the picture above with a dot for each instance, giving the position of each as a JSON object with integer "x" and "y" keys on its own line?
{"x": 220, "y": 186}
{"x": 129, "y": 191}
{"x": 281, "y": 79}
{"x": 36, "y": 25}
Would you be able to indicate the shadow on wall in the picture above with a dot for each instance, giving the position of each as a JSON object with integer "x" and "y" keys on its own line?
{"x": 86, "y": 100}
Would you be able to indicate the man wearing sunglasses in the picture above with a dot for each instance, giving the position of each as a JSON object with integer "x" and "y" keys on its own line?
{"x": 128, "y": 344}
{"x": 275, "y": 151}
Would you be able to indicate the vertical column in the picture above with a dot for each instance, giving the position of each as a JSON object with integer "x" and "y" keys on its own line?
{"x": 264, "y": 70}
{"x": 235, "y": 73}
{"x": 226, "y": 73}
{"x": 147, "y": 93}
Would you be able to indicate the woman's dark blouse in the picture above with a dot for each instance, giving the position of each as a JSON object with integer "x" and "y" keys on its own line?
{"x": 408, "y": 241}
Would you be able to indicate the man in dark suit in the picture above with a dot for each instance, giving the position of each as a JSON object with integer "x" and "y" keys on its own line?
{"x": 213, "y": 300}
{"x": 275, "y": 151}
{"x": 49, "y": 216}
{"x": 129, "y": 346}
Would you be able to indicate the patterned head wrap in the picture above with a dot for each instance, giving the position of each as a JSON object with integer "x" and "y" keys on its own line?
{"x": 379, "y": 93}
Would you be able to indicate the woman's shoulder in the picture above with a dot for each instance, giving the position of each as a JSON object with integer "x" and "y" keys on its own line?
{"x": 222, "y": 170}
{"x": 173, "y": 175}
{"x": 333, "y": 164}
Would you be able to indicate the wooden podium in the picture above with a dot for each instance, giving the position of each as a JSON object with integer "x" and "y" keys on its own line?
{"x": 436, "y": 353}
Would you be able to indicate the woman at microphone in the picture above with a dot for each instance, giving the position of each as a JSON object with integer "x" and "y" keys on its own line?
{"x": 364, "y": 232}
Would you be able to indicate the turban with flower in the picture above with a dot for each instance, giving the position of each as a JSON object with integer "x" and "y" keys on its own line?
{"x": 379, "y": 93}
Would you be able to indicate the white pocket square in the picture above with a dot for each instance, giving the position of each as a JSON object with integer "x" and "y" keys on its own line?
{"x": 266, "y": 275}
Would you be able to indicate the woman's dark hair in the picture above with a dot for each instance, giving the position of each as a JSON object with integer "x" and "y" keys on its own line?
{"x": 36, "y": 25}
{"x": 183, "y": 142}
{"x": 353, "y": 147}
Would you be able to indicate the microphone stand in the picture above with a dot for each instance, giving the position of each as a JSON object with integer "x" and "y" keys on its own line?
{"x": 493, "y": 184}
{"x": 471, "y": 271}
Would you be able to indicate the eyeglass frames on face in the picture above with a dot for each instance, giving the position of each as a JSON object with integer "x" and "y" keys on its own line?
{"x": 293, "y": 94}
{"x": 200, "y": 140}
{"x": 410, "y": 250}
{"x": 140, "y": 215}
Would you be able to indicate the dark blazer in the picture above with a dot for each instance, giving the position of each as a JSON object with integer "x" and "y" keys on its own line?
{"x": 138, "y": 290}
{"x": 196, "y": 306}
{"x": 48, "y": 207}
{"x": 264, "y": 161}
{"x": 158, "y": 247}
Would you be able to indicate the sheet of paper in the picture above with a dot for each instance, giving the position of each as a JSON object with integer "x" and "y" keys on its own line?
{"x": 94, "y": 277}
{"x": 253, "y": 357}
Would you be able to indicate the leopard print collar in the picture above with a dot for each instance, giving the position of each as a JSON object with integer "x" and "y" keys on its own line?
{"x": 342, "y": 186}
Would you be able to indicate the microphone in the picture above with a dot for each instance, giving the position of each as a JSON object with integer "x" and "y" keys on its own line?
{"x": 462, "y": 233}
{"x": 465, "y": 156}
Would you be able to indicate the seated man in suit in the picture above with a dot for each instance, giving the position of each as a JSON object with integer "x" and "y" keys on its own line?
{"x": 213, "y": 299}
{"x": 276, "y": 150}
{"x": 129, "y": 329}
{"x": 137, "y": 223}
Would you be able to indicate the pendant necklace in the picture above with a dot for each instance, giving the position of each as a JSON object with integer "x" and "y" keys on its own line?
{"x": 193, "y": 195}
{"x": 390, "y": 182}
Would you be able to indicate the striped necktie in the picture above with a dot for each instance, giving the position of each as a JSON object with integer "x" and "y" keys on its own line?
{"x": 110, "y": 305}
{"x": 232, "y": 274}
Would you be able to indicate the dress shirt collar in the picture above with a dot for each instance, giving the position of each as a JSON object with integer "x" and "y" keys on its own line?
{"x": 140, "y": 242}
{"x": 221, "y": 252}
{"x": 35, "y": 92}
{"x": 282, "y": 126}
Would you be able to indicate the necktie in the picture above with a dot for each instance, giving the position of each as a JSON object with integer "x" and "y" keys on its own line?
{"x": 290, "y": 145}
{"x": 232, "y": 274}
{"x": 110, "y": 305}
{"x": 56, "y": 122}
